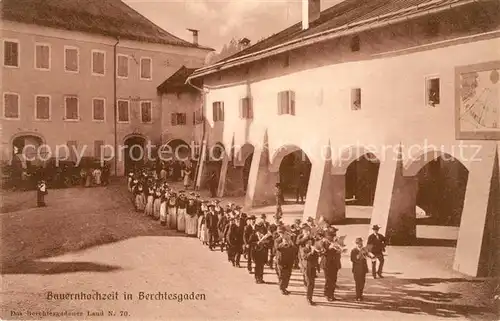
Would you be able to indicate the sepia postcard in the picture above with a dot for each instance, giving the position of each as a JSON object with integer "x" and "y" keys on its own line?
{"x": 250, "y": 160}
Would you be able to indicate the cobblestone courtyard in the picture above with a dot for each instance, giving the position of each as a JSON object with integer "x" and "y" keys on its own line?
{"x": 90, "y": 239}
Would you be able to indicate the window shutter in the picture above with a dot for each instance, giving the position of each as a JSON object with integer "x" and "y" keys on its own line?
{"x": 214, "y": 111}
{"x": 173, "y": 116}
{"x": 250, "y": 108}
{"x": 280, "y": 103}
{"x": 222, "y": 111}
{"x": 292, "y": 102}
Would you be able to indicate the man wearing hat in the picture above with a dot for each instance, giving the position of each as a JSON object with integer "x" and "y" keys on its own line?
{"x": 376, "y": 245}
{"x": 330, "y": 262}
{"x": 260, "y": 241}
{"x": 211, "y": 224}
{"x": 359, "y": 267}
{"x": 309, "y": 256}
{"x": 285, "y": 254}
{"x": 247, "y": 234}
{"x": 234, "y": 241}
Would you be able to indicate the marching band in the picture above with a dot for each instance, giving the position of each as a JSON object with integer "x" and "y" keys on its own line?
{"x": 311, "y": 246}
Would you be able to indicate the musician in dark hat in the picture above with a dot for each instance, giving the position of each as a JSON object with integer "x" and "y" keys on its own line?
{"x": 211, "y": 221}
{"x": 359, "y": 267}
{"x": 231, "y": 238}
{"x": 376, "y": 245}
{"x": 247, "y": 234}
{"x": 296, "y": 231}
{"x": 309, "y": 255}
{"x": 285, "y": 255}
{"x": 330, "y": 262}
{"x": 260, "y": 241}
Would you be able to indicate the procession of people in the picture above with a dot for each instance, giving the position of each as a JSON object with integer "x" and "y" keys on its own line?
{"x": 311, "y": 246}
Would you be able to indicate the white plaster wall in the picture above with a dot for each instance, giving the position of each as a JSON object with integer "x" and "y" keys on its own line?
{"x": 393, "y": 110}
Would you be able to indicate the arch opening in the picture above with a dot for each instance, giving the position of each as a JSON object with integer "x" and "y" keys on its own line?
{"x": 294, "y": 173}
{"x": 361, "y": 180}
{"x": 441, "y": 194}
{"x": 134, "y": 152}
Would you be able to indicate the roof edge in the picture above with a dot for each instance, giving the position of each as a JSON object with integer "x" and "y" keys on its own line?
{"x": 327, "y": 35}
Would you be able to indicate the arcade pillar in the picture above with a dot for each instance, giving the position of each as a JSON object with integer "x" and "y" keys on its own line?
{"x": 480, "y": 206}
{"x": 261, "y": 181}
{"x": 395, "y": 202}
{"x": 325, "y": 194}
{"x": 231, "y": 180}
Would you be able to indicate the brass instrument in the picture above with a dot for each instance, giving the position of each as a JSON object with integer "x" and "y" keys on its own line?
{"x": 338, "y": 244}
{"x": 259, "y": 246}
{"x": 364, "y": 252}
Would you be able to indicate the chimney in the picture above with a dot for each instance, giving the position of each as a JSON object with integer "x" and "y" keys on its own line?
{"x": 195, "y": 35}
{"x": 311, "y": 10}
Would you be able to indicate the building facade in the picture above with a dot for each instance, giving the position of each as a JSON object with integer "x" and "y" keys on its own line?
{"x": 376, "y": 79}
{"x": 60, "y": 86}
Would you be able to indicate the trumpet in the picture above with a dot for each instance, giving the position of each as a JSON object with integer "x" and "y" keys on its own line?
{"x": 365, "y": 254}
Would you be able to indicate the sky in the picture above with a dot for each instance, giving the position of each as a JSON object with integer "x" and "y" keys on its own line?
{"x": 221, "y": 20}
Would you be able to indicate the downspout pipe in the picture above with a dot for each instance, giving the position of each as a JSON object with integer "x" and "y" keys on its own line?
{"x": 203, "y": 99}
{"x": 115, "y": 111}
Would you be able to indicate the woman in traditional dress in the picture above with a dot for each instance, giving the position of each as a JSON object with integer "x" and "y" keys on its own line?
{"x": 172, "y": 211}
{"x": 201, "y": 220}
{"x": 163, "y": 174}
{"x": 163, "y": 208}
{"x": 88, "y": 178}
{"x": 130, "y": 179}
{"x": 149, "y": 203}
{"x": 98, "y": 173}
{"x": 181, "y": 212}
{"x": 139, "y": 197}
{"x": 191, "y": 218}
{"x": 157, "y": 204}
{"x": 187, "y": 177}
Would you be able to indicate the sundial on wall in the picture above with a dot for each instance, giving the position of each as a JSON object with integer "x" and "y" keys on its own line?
{"x": 478, "y": 99}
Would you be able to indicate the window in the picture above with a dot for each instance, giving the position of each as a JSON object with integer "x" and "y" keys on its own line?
{"x": 72, "y": 146}
{"x": 42, "y": 107}
{"x": 11, "y": 103}
{"x": 286, "y": 103}
{"x": 98, "y": 148}
{"x": 146, "y": 111}
{"x": 218, "y": 111}
{"x": 355, "y": 44}
{"x": 98, "y": 109}
{"x": 178, "y": 119}
{"x": 123, "y": 111}
{"x": 42, "y": 56}
{"x": 11, "y": 53}
{"x": 356, "y": 99}
{"x": 71, "y": 59}
{"x": 122, "y": 66}
{"x": 71, "y": 108}
{"x": 432, "y": 92}
{"x": 146, "y": 68}
{"x": 98, "y": 62}
{"x": 197, "y": 117}
{"x": 246, "y": 111}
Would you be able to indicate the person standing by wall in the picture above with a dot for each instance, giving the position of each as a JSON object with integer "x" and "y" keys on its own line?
{"x": 359, "y": 267}
{"x": 376, "y": 245}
